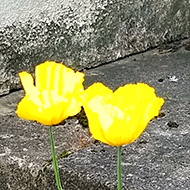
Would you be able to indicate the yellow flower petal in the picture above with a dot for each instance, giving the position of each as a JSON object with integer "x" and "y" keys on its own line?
{"x": 95, "y": 125}
{"x": 97, "y": 89}
{"x": 121, "y": 116}
{"x": 56, "y": 95}
{"x": 97, "y": 105}
{"x": 28, "y": 83}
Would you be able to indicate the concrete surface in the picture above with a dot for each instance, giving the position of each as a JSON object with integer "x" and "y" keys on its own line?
{"x": 159, "y": 159}
{"x": 83, "y": 33}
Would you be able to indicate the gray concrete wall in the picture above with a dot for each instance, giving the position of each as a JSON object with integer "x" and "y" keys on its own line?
{"x": 83, "y": 33}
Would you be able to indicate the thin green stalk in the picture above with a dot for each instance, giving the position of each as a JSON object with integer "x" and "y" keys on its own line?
{"x": 56, "y": 170}
{"x": 119, "y": 167}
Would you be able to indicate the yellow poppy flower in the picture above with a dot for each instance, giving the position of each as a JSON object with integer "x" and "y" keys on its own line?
{"x": 118, "y": 118}
{"x": 55, "y": 95}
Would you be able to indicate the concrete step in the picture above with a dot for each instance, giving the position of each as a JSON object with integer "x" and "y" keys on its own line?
{"x": 159, "y": 159}
{"x": 83, "y": 33}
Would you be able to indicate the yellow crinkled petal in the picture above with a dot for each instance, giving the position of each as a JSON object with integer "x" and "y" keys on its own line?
{"x": 73, "y": 108}
{"x": 57, "y": 77}
{"x": 119, "y": 118}
{"x": 72, "y": 80}
{"x": 94, "y": 125}
{"x": 50, "y": 115}
{"x": 115, "y": 133}
{"x": 109, "y": 116}
{"x": 28, "y": 83}
{"x": 56, "y": 95}
{"x": 27, "y": 109}
{"x": 98, "y": 106}
{"x": 97, "y": 89}
{"x": 141, "y": 106}
{"x": 44, "y": 75}
{"x": 53, "y": 115}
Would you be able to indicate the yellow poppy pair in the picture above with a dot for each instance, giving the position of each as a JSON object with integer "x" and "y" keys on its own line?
{"x": 115, "y": 118}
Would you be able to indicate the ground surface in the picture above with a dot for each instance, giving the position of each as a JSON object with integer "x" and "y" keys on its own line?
{"x": 159, "y": 159}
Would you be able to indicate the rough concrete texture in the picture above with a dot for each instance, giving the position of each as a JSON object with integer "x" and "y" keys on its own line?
{"x": 159, "y": 159}
{"x": 83, "y": 33}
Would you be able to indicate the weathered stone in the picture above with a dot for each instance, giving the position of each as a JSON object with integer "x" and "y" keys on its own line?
{"x": 83, "y": 33}
{"x": 159, "y": 159}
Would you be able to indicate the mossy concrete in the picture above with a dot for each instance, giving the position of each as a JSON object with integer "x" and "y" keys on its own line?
{"x": 83, "y": 33}
{"x": 159, "y": 159}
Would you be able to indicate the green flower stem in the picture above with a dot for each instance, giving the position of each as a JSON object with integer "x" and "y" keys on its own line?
{"x": 119, "y": 167}
{"x": 54, "y": 160}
